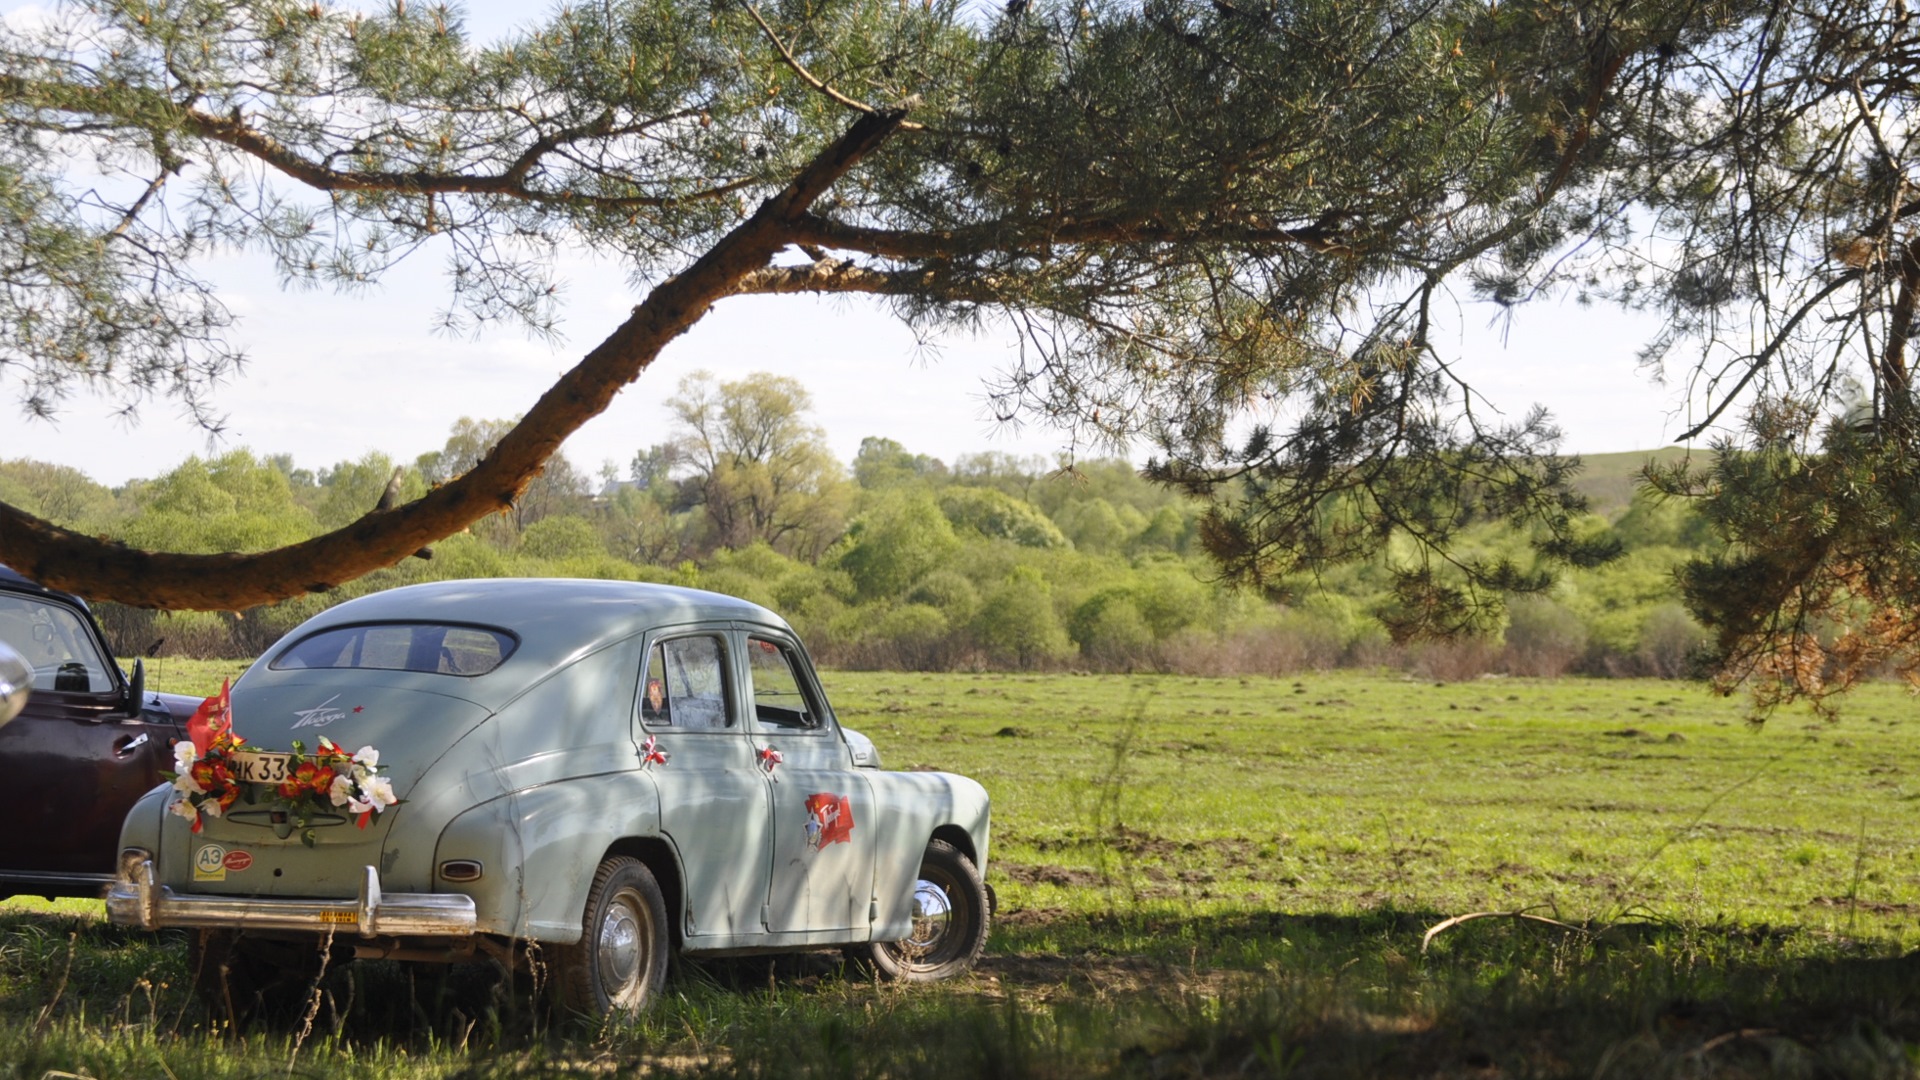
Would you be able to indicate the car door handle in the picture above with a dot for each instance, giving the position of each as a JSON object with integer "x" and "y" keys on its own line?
{"x": 125, "y": 745}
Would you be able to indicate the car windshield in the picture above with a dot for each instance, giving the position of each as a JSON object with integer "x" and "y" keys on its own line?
{"x": 55, "y": 641}
{"x": 435, "y": 648}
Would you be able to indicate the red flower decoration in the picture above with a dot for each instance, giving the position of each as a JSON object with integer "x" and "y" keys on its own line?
{"x": 651, "y": 754}
{"x": 769, "y": 757}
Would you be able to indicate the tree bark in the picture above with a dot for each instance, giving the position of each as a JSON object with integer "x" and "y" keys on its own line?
{"x": 106, "y": 570}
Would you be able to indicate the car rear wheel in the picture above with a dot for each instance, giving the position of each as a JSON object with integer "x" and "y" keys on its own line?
{"x": 620, "y": 961}
{"x": 950, "y": 921}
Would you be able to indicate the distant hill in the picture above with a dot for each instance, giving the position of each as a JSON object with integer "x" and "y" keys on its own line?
{"x": 1609, "y": 480}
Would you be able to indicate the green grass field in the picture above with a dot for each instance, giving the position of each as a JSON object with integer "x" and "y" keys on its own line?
{"x": 1225, "y": 877}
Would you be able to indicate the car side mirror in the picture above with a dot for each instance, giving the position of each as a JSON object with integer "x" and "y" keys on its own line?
{"x": 136, "y": 686}
{"x": 16, "y": 680}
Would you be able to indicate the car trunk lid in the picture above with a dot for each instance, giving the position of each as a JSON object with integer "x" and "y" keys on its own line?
{"x": 257, "y": 846}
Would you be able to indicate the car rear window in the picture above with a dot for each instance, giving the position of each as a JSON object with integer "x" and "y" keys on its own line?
{"x": 436, "y": 648}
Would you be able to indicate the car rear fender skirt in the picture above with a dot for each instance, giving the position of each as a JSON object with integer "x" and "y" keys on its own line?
{"x": 538, "y": 848}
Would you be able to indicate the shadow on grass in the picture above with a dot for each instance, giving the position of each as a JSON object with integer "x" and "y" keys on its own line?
{"x": 1140, "y": 994}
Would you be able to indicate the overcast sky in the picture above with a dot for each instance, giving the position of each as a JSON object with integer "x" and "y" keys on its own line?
{"x": 333, "y": 378}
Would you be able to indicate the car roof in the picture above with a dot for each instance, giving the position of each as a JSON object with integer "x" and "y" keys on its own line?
{"x": 555, "y": 619}
{"x": 14, "y": 581}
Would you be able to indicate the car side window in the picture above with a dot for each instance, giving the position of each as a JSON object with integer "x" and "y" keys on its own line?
{"x": 780, "y": 699}
{"x": 685, "y": 684}
{"x": 55, "y": 641}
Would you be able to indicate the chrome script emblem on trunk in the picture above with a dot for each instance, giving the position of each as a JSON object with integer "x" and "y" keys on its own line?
{"x": 320, "y": 715}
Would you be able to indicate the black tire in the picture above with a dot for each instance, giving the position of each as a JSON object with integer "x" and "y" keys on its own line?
{"x": 620, "y": 961}
{"x": 950, "y": 921}
{"x": 242, "y": 979}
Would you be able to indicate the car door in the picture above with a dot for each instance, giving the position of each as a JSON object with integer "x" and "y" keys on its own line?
{"x": 713, "y": 803}
{"x": 822, "y": 869}
{"x": 77, "y": 758}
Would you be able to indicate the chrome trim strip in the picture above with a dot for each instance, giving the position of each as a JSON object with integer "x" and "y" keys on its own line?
{"x": 142, "y": 903}
{"x": 53, "y": 878}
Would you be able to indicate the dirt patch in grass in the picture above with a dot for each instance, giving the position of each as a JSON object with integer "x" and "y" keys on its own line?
{"x": 1044, "y": 977}
{"x": 1142, "y": 844}
{"x": 1063, "y": 876}
{"x": 1878, "y": 908}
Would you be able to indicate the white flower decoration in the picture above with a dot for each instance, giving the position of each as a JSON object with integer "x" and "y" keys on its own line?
{"x": 367, "y": 757}
{"x": 380, "y": 790}
{"x": 342, "y": 791}
{"x": 184, "y": 755}
{"x": 181, "y": 806}
{"x": 376, "y": 795}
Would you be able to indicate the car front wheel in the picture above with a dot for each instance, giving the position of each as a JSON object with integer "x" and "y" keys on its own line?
{"x": 950, "y": 918}
{"x": 620, "y": 961}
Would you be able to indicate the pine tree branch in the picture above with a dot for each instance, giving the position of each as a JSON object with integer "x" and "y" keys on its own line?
{"x": 808, "y": 77}
{"x": 134, "y": 107}
{"x": 827, "y": 275}
{"x": 973, "y": 240}
{"x": 106, "y": 570}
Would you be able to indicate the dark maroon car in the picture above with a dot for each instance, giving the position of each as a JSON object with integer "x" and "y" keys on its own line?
{"x": 89, "y": 743}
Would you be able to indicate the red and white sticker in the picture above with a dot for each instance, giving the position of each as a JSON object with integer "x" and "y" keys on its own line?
{"x": 829, "y": 820}
{"x": 237, "y": 861}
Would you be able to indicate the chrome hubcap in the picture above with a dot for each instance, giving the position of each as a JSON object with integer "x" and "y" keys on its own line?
{"x": 932, "y": 913}
{"x": 619, "y": 948}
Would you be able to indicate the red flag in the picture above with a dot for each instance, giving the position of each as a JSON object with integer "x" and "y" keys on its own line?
{"x": 214, "y": 716}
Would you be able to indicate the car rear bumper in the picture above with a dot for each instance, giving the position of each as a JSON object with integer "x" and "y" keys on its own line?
{"x": 134, "y": 900}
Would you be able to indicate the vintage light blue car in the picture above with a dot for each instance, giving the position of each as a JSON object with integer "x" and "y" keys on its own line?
{"x": 597, "y": 773}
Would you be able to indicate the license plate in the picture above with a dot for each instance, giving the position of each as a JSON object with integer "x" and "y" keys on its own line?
{"x": 259, "y": 766}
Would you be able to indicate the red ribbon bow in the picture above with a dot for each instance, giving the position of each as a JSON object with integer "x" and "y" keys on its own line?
{"x": 770, "y": 757}
{"x": 651, "y": 754}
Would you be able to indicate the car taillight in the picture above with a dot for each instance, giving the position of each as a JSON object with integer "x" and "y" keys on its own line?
{"x": 460, "y": 870}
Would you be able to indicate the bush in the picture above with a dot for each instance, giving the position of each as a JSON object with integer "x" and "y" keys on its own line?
{"x": 1282, "y": 649}
{"x": 195, "y": 635}
{"x": 1668, "y": 639}
{"x": 565, "y": 536}
{"x": 1017, "y": 624}
{"x": 892, "y": 546}
{"x": 1169, "y": 598}
{"x": 1112, "y": 633}
{"x": 738, "y": 583}
{"x": 998, "y": 516}
{"x": 912, "y": 637}
{"x": 1544, "y": 639}
{"x": 949, "y": 591}
{"x": 1455, "y": 661}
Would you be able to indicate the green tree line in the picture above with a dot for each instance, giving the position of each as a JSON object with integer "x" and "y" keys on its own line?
{"x": 895, "y": 560}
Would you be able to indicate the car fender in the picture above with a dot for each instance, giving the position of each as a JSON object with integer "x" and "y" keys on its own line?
{"x": 912, "y": 808}
{"x": 538, "y": 849}
{"x": 142, "y": 825}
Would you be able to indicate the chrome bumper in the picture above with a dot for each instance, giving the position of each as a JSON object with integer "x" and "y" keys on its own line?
{"x": 135, "y": 900}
